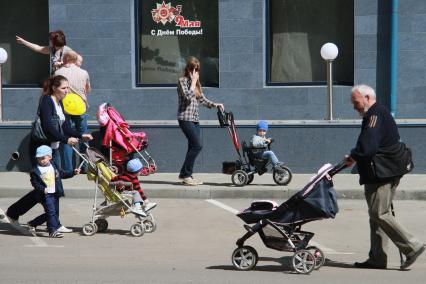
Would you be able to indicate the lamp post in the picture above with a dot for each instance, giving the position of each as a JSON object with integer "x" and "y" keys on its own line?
{"x": 3, "y": 58}
{"x": 329, "y": 52}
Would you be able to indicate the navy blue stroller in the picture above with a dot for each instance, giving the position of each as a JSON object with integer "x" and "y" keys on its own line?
{"x": 279, "y": 227}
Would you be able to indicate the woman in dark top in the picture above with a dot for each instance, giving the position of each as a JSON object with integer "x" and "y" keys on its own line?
{"x": 190, "y": 97}
{"x": 54, "y": 90}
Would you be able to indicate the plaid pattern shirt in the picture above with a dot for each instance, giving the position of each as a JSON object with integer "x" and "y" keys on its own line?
{"x": 188, "y": 103}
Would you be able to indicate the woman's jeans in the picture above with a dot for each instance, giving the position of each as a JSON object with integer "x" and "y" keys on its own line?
{"x": 192, "y": 132}
{"x": 79, "y": 123}
{"x": 271, "y": 157}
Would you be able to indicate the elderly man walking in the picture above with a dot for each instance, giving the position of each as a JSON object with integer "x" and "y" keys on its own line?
{"x": 79, "y": 82}
{"x": 379, "y": 133}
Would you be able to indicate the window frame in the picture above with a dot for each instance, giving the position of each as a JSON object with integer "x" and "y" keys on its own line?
{"x": 26, "y": 85}
{"x": 268, "y": 83}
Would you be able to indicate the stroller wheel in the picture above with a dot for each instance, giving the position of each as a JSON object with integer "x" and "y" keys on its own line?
{"x": 303, "y": 261}
{"x": 319, "y": 256}
{"x": 239, "y": 178}
{"x": 282, "y": 178}
{"x": 137, "y": 230}
{"x": 102, "y": 225}
{"x": 89, "y": 229}
{"x": 149, "y": 226}
{"x": 244, "y": 258}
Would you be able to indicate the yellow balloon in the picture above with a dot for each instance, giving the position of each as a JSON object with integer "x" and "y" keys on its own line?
{"x": 74, "y": 104}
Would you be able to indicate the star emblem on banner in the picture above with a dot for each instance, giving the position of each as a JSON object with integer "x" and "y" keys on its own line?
{"x": 164, "y": 13}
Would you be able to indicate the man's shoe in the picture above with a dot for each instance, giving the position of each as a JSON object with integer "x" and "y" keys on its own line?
{"x": 63, "y": 229}
{"x": 189, "y": 181}
{"x": 56, "y": 234}
{"x": 411, "y": 259}
{"x": 368, "y": 265}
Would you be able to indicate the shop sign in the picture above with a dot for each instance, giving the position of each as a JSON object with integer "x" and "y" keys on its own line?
{"x": 167, "y": 14}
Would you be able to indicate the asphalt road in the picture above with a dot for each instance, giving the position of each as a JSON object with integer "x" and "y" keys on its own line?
{"x": 193, "y": 244}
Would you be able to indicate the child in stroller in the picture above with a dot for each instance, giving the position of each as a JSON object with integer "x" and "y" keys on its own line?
{"x": 279, "y": 227}
{"x": 260, "y": 143}
{"x": 250, "y": 161}
{"x": 116, "y": 203}
{"x": 133, "y": 168}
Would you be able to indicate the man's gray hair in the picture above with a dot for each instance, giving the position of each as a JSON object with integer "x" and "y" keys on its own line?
{"x": 363, "y": 90}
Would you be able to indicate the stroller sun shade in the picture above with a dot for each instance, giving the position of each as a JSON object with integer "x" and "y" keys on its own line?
{"x": 317, "y": 200}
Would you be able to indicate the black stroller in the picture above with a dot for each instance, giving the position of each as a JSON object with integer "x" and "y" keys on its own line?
{"x": 248, "y": 164}
{"x": 279, "y": 227}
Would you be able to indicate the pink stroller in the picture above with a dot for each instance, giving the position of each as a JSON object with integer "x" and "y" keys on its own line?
{"x": 122, "y": 144}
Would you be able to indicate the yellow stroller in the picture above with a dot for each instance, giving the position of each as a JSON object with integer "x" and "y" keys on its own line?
{"x": 115, "y": 203}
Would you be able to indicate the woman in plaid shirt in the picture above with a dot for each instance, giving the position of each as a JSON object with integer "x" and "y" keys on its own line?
{"x": 190, "y": 97}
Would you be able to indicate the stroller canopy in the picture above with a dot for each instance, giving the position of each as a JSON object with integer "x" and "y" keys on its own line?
{"x": 317, "y": 200}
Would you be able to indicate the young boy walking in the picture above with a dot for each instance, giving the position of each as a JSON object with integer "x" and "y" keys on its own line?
{"x": 47, "y": 184}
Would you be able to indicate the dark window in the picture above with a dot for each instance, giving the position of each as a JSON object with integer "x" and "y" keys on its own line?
{"x": 170, "y": 31}
{"x": 297, "y": 29}
{"x": 30, "y": 20}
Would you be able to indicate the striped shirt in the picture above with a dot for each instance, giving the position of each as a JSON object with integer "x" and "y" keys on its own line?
{"x": 129, "y": 177}
{"x": 77, "y": 78}
{"x": 188, "y": 109}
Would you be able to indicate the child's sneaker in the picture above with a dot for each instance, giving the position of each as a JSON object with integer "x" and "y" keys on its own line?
{"x": 149, "y": 205}
{"x": 56, "y": 234}
{"x": 138, "y": 211}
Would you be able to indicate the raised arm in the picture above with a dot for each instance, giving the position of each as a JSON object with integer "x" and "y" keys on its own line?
{"x": 33, "y": 46}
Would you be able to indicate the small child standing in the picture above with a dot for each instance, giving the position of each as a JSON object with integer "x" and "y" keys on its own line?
{"x": 259, "y": 140}
{"x": 133, "y": 168}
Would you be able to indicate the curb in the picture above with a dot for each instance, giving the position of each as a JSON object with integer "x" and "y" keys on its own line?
{"x": 218, "y": 193}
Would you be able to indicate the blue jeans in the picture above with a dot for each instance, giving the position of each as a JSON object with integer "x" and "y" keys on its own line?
{"x": 193, "y": 134}
{"x": 49, "y": 205}
{"x": 270, "y": 155}
{"x": 53, "y": 203}
{"x": 28, "y": 201}
{"x": 79, "y": 123}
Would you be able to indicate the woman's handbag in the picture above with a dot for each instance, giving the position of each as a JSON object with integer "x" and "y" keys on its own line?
{"x": 37, "y": 133}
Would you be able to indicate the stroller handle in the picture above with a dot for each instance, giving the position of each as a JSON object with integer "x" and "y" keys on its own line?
{"x": 337, "y": 168}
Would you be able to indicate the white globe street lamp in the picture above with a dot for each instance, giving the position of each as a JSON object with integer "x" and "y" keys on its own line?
{"x": 329, "y": 52}
{"x": 3, "y": 59}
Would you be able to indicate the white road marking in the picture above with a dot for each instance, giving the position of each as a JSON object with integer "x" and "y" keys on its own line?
{"x": 37, "y": 242}
{"x": 235, "y": 211}
{"x": 223, "y": 206}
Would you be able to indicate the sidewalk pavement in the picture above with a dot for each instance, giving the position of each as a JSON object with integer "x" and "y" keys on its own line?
{"x": 216, "y": 185}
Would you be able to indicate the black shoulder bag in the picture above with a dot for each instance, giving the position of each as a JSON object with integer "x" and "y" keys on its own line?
{"x": 392, "y": 162}
{"x": 37, "y": 132}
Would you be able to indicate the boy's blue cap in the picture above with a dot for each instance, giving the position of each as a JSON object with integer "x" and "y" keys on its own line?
{"x": 43, "y": 151}
{"x": 262, "y": 125}
{"x": 134, "y": 166}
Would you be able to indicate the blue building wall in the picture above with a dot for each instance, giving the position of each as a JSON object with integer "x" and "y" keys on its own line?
{"x": 103, "y": 32}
